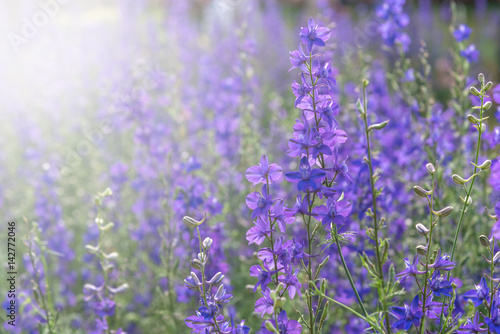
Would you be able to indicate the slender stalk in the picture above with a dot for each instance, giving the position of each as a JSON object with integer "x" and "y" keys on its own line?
{"x": 351, "y": 281}
{"x": 424, "y": 292}
{"x": 464, "y": 208}
{"x": 203, "y": 289}
{"x": 374, "y": 207}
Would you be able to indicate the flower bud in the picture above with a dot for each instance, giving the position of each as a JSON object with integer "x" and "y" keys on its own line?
{"x": 480, "y": 77}
{"x": 484, "y": 166}
{"x": 378, "y": 126}
{"x": 197, "y": 264}
{"x": 110, "y": 256}
{"x": 474, "y": 91}
{"x": 458, "y": 179}
{"x": 430, "y": 169}
{"x": 195, "y": 278}
{"x": 487, "y": 105}
{"x": 207, "y": 243}
{"x": 91, "y": 249}
{"x": 270, "y": 327}
{"x": 191, "y": 222}
{"x": 496, "y": 258}
{"x": 279, "y": 303}
{"x": 203, "y": 257}
{"x": 421, "y": 249}
{"x": 488, "y": 86}
{"x": 421, "y": 191}
{"x": 422, "y": 229}
{"x": 443, "y": 212}
{"x": 473, "y": 119}
{"x": 119, "y": 289}
{"x": 220, "y": 293}
{"x": 484, "y": 241}
{"x": 216, "y": 279}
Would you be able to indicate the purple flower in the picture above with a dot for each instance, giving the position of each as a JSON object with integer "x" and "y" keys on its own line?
{"x": 257, "y": 234}
{"x": 494, "y": 321}
{"x": 291, "y": 282}
{"x": 260, "y": 203}
{"x": 479, "y": 294}
{"x": 285, "y": 325}
{"x": 470, "y": 53}
{"x": 300, "y": 90}
{"x": 439, "y": 286}
{"x": 314, "y": 35}
{"x": 307, "y": 179}
{"x": 407, "y": 315}
{"x": 462, "y": 33}
{"x": 496, "y": 94}
{"x": 410, "y": 270}
{"x": 472, "y": 326}
{"x": 282, "y": 215}
{"x": 334, "y": 212}
{"x": 264, "y": 304}
{"x": 325, "y": 75}
{"x": 105, "y": 307}
{"x": 442, "y": 262}
{"x": 298, "y": 58}
{"x": 263, "y": 172}
{"x": 264, "y": 276}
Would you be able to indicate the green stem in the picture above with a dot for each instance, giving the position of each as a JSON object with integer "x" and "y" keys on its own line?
{"x": 374, "y": 205}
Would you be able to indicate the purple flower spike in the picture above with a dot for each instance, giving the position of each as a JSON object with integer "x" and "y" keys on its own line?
{"x": 478, "y": 295}
{"x": 314, "y": 35}
{"x": 411, "y": 270}
{"x": 306, "y": 178}
{"x": 263, "y": 172}
{"x": 407, "y": 315}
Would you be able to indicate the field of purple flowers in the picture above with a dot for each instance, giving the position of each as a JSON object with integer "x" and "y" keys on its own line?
{"x": 250, "y": 166}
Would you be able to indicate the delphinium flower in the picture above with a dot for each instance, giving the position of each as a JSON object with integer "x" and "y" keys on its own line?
{"x": 473, "y": 326}
{"x": 315, "y": 142}
{"x": 101, "y": 297}
{"x": 408, "y": 316}
{"x": 213, "y": 296}
{"x": 393, "y": 21}
{"x": 480, "y": 294}
{"x": 469, "y": 52}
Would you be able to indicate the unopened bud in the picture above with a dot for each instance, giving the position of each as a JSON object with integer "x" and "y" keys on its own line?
{"x": 422, "y": 229}
{"x": 207, "y": 243}
{"x": 216, "y": 279}
{"x": 270, "y": 327}
{"x": 430, "y": 168}
{"x": 191, "y": 222}
{"x": 378, "y": 126}
{"x": 421, "y": 249}
{"x": 480, "y": 77}
{"x": 458, "y": 179}
{"x": 488, "y": 86}
{"x": 496, "y": 258}
{"x": 279, "y": 303}
{"x": 421, "y": 191}
{"x": 197, "y": 264}
{"x": 473, "y": 119}
{"x": 484, "y": 166}
{"x": 443, "y": 212}
{"x": 474, "y": 91}
{"x": 484, "y": 241}
{"x": 487, "y": 105}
